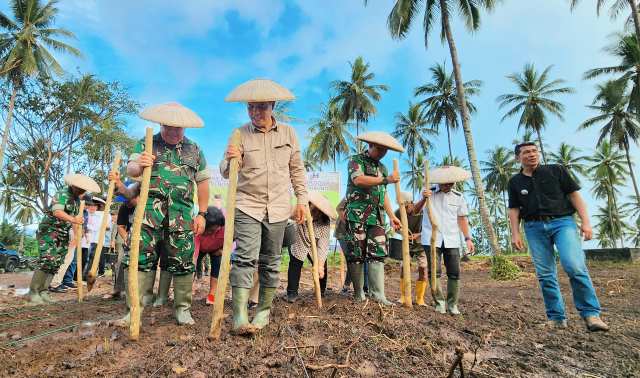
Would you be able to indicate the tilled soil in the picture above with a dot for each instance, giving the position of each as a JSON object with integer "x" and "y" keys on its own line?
{"x": 501, "y": 334}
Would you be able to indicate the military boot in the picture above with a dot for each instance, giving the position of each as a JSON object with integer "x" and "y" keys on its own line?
{"x": 36, "y": 287}
{"x": 163, "y": 289}
{"x": 453, "y": 290}
{"x": 240, "y": 299}
{"x": 142, "y": 278}
{"x": 438, "y": 299}
{"x": 147, "y": 288}
{"x": 182, "y": 297}
{"x": 356, "y": 272}
{"x": 376, "y": 283}
{"x": 265, "y": 300}
{"x": 44, "y": 294}
{"x": 421, "y": 287}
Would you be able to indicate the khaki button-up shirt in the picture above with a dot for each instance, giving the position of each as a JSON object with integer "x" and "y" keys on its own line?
{"x": 271, "y": 164}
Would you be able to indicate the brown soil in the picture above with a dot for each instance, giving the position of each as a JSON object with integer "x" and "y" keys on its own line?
{"x": 500, "y": 334}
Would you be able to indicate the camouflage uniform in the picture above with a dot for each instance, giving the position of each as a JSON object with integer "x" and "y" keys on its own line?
{"x": 169, "y": 208}
{"x": 53, "y": 233}
{"x": 365, "y": 237}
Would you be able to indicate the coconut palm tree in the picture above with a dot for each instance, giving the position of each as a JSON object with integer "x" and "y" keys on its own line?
{"x": 498, "y": 170}
{"x": 413, "y": 130}
{"x": 567, "y": 156}
{"x": 620, "y": 126}
{"x": 24, "y": 49}
{"x": 442, "y": 105}
{"x": 610, "y": 228}
{"x": 607, "y": 171}
{"x": 401, "y": 18}
{"x": 414, "y": 177}
{"x": 25, "y": 214}
{"x": 534, "y": 100}
{"x": 355, "y": 98}
{"x": 309, "y": 160}
{"x": 330, "y": 136}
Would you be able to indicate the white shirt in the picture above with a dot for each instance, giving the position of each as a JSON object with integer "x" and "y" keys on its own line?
{"x": 447, "y": 207}
{"x": 93, "y": 227}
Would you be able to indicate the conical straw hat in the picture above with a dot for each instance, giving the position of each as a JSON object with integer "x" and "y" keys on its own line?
{"x": 259, "y": 90}
{"x": 82, "y": 182}
{"x": 448, "y": 174}
{"x": 406, "y": 197}
{"x": 172, "y": 114}
{"x": 381, "y": 138}
{"x": 322, "y": 203}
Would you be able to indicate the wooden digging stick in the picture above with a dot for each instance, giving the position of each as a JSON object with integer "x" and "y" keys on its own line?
{"x": 314, "y": 257}
{"x": 406, "y": 257}
{"x": 134, "y": 250}
{"x": 434, "y": 231}
{"x": 225, "y": 265}
{"x": 91, "y": 276}
{"x": 78, "y": 233}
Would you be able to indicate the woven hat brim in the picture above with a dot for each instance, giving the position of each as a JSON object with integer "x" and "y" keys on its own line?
{"x": 382, "y": 139}
{"x": 323, "y": 204}
{"x": 448, "y": 175}
{"x": 82, "y": 182}
{"x": 259, "y": 90}
{"x": 172, "y": 114}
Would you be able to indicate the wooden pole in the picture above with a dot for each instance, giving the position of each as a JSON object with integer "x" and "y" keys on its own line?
{"x": 91, "y": 276}
{"x": 406, "y": 256}
{"x": 225, "y": 266}
{"x": 343, "y": 271}
{"x": 434, "y": 231}
{"x": 78, "y": 233}
{"x": 314, "y": 257}
{"x": 134, "y": 251}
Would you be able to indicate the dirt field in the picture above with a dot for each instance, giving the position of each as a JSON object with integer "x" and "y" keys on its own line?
{"x": 500, "y": 334}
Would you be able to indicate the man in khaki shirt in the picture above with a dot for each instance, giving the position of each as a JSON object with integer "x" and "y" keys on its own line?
{"x": 270, "y": 162}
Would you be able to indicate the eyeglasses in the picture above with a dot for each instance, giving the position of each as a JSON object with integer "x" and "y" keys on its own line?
{"x": 259, "y": 106}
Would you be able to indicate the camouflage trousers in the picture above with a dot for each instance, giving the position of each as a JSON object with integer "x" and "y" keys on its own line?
{"x": 178, "y": 246}
{"x": 53, "y": 246}
{"x": 365, "y": 242}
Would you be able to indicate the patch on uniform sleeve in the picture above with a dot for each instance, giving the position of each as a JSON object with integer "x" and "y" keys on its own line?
{"x": 355, "y": 169}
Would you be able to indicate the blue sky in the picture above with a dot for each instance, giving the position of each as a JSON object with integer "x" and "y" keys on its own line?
{"x": 197, "y": 51}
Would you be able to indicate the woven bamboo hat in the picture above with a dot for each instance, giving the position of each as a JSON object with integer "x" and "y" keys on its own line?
{"x": 322, "y": 203}
{"x": 172, "y": 114}
{"x": 260, "y": 90}
{"x": 406, "y": 197}
{"x": 448, "y": 174}
{"x": 381, "y": 138}
{"x": 82, "y": 182}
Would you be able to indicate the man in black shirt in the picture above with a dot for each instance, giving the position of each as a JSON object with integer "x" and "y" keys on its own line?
{"x": 545, "y": 197}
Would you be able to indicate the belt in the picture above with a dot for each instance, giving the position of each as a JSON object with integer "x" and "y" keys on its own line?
{"x": 541, "y": 218}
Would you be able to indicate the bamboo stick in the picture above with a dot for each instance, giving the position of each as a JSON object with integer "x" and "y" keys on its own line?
{"x": 314, "y": 257}
{"x": 134, "y": 251}
{"x": 434, "y": 231}
{"x": 406, "y": 256}
{"x": 91, "y": 276}
{"x": 343, "y": 271}
{"x": 78, "y": 233}
{"x": 225, "y": 267}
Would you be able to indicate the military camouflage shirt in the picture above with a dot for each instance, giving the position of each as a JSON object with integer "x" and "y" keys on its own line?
{"x": 63, "y": 200}
{"x": 176, "y": 170}
{"x": 365, "y": 205}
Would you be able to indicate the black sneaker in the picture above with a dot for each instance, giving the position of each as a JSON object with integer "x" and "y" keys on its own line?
{"x": 291, "y": 297}
{"x": 59, "y": 289}
{"x": 72, "y": 285}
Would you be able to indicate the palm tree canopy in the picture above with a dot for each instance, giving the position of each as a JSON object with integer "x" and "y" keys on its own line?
{"x": 355, "y": 98}
{"x": 498, "y": 169}
{"x": 24, "y": 45}
{"x": 614, "y": 10}
{"x": 567, "y": 156}
{"x": 413, "y": 129}
{"x": 534, "y": 98}
{"x": 608, "y": 170}
{"x": 331, "y": 138}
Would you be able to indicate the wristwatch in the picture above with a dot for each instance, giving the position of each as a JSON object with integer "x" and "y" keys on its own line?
{"x": 467, "y": 238}
{"x": 385, "y": 181}
{"x": 202, "y": 213}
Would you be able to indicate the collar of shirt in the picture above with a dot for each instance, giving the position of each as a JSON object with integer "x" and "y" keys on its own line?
{"x": 274, "y": 126}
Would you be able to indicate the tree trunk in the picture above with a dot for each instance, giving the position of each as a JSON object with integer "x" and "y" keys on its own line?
{"x": 358, "y": 143}
{"x": 7, "y": 126}
{"x": 633, "y": 176}
{"x": 636, "y": 24}
{"x": 506, "y": 214}
{"x": 468, "y": 136}
{"x": 617, "y": 214}
{"x": 449, "y": 141}
{"x": 544, "y": 156}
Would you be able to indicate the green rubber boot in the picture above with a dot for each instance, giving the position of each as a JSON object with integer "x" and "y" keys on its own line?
{"x": 265, "y": 299}
{"x": 356, "y": 272}
{"x": 163, "y": 289}
{"x": 376, "y": 283}
{"x": 147, "y": 288}
{"x": 44, "y": 293}
{"x": 182, "y": 297}
{"x": 453, "y": 291}
{"x": 36, "y": 287}
{"x": 438, "y": 298}
{"x": 142, "y": 278}
{"x": 240, "y": 299}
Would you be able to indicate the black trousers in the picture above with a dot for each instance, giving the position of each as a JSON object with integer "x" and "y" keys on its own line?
{"x": 451, "y": 257}
{"x": 293, "y": 274}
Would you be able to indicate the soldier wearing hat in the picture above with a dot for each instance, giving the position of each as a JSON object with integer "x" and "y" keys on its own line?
{"x": 178, "y": 169}
{"x": 450, "y": 211}
{"x": 270, "y": 163}
{"x": 366, "y": 202}
{"x": 53, "y": 233}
